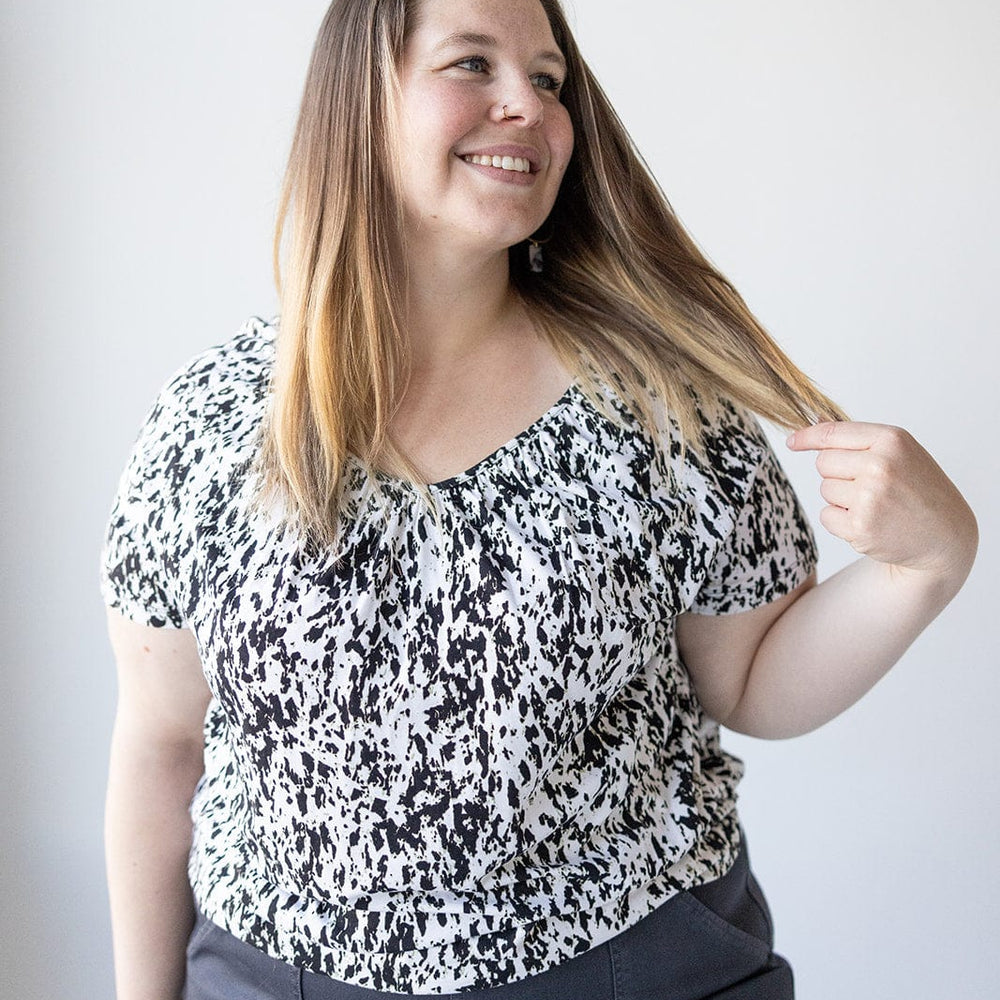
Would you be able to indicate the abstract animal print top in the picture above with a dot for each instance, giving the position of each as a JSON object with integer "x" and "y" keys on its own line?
{"x": 447, "y": 759}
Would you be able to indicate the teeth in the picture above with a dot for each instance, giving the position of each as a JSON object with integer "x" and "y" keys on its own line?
{"x": 517, "y": 163}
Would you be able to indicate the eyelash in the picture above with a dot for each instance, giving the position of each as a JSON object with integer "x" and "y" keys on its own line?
{"x": 554, "y": 82}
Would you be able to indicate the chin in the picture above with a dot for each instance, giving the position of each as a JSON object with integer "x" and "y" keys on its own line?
{"x": 504, "y": 237}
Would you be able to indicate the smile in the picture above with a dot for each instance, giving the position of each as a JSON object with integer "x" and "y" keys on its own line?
{"x": 515, "y": 163}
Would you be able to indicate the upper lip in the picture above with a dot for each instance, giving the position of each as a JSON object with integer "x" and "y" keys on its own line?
{"x": 508, "y": 149}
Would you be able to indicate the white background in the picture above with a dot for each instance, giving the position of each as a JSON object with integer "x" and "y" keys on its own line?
{"x": 838, "y": 160}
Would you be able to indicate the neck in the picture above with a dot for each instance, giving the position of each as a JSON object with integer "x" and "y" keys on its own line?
{"x": 455, "y": 306}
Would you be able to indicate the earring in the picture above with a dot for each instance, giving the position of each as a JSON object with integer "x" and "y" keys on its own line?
{"x": 535, "y": 259}
{"x": 536, "y": 262}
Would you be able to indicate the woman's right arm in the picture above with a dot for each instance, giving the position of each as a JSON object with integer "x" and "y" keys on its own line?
{"x": 156, "y": 761}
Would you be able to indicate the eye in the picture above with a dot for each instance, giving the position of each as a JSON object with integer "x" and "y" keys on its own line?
{"x": 477, "y": 64}
{"x": 547, "y": 81}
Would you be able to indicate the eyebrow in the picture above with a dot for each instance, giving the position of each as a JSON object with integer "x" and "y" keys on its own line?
{"x": 491, "y": 42}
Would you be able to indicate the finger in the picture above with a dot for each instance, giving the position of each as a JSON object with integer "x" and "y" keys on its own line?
{"x": 836, "y": 463}
{"x": 837, "y": 521}
{"x": 851, "y": 435}
{"x": 839, "y": 492}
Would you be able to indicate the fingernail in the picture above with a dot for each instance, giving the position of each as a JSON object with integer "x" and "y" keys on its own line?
{"x": 790, "y": 440}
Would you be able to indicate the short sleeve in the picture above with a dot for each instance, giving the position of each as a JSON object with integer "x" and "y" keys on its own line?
{"x": 139, "y": 556}
{"x": 769, "y": 551}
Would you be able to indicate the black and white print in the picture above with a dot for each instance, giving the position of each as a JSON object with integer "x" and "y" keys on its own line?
{"x": 450, "y": 754}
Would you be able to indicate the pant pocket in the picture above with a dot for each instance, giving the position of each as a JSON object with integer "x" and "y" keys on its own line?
{"x": 738, "y": 900}
{"x": 731, "y": 930}
{"x": 760, "y": 901}
{"x": 683, "y": 950}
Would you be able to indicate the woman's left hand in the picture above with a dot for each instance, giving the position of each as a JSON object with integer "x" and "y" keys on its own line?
{"x": 889, "y": 499}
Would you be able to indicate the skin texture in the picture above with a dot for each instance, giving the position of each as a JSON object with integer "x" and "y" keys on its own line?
{"x": 454, "y": 91}
{"x": 156, "y": 760}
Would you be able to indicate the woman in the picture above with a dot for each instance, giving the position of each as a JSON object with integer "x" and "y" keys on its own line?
{"x": 430, "y": 605}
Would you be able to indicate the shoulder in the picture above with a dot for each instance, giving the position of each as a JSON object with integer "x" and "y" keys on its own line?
{"x": 220, "y": 388}
{"x": 722, "y": 450}
{"x": 210, "y": 407}
{"x": 217, "y": 380}
{"x": 734, "y": 450}
{"x": 723, "y": 455}
{"x": 731, "y": 473}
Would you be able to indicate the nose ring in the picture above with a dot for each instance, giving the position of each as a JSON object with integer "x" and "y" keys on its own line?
{"x": 506, "y": 117}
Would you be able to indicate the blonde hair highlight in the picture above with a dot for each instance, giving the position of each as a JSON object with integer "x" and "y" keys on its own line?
{"x": 625, "y": 295}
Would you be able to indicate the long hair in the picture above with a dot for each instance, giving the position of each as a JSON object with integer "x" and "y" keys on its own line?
{"x": 341, "y": 351}
{"x": 625, "y": 294}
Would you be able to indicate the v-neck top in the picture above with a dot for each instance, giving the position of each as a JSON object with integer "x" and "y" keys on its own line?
{"x": 480, "y": 468}
{"x": 450, "y": 752}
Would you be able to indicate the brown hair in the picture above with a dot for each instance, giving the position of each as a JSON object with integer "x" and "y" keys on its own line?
{"x": 625, "y": 293}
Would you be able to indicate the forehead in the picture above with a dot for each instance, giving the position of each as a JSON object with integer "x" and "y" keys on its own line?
{"x": 505, "y": 22}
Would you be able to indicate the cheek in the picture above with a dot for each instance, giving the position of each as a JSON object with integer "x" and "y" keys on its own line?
{"x": 561, "y": 138}
{"x": 444, "y": 114}
{"x": 432, "y": 121}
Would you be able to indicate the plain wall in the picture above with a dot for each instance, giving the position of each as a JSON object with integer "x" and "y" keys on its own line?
{"x": 838, "y": 161}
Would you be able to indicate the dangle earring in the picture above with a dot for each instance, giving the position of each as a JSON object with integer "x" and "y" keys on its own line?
{"x": 536, "y": 262}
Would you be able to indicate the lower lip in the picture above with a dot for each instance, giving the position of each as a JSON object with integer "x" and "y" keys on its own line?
{"x": 516, "y": 177}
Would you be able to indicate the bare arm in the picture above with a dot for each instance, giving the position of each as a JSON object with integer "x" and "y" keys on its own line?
{"x": 792, "y": 665}
{"x": 156, "y": 761}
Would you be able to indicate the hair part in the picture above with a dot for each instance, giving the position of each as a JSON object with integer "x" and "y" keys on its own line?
{"x": 626, "y": 294}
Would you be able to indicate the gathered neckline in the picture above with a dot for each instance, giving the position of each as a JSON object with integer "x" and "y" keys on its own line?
{"x": 477, "y": 468}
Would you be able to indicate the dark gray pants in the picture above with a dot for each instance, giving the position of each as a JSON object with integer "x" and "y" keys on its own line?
{"x": 712, "y": 943}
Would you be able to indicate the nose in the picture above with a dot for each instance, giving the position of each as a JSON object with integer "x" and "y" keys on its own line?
{"x": 518, "y": 101}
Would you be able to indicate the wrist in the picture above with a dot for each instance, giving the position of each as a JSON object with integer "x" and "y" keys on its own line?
{"x": 947, "y": 565}
{"x": 939, "y": 580}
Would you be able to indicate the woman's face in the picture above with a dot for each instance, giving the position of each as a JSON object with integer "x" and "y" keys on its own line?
{"x": 472, "y": 178}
